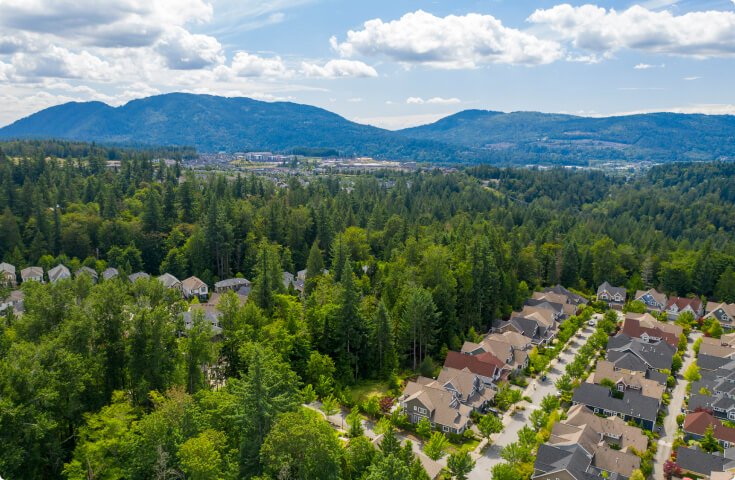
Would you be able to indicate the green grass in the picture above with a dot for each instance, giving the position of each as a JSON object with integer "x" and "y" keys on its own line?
{"x": 369, "y": 388}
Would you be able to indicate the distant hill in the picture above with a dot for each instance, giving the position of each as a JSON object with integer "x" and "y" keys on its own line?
{"x": 212, "y": 123}
{"x": 654, "y": 136}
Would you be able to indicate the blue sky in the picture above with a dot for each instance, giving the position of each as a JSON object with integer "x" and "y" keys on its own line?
{"x": 389, "y": 63}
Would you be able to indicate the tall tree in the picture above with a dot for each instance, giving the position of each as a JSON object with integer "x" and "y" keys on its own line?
{"x": 197, "y": 349}
{"x": 725, "y": 289}
{"x": 269, "y": 278}
{"x": 382, "y": 340}
{"x": 351, "y": 334}
{"x": 418, "y": 324}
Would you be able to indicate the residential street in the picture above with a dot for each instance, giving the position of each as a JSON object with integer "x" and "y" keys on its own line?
{"x": 536, "y": 390}
{"x": 674, "y": 409}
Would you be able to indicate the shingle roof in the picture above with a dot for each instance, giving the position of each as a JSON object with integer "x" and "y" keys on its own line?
{"x": 698, "y": 423}
{"x": 716, "y": 350}
{"x": 658, "y": 296}
{"x": 168, "y": 280}
{"x": 648, "y": 387}
{"x": 6, "y": 267}
{"x": 636, "y": 328}
{"x": 138, "y": 275}
{"x": 710, "y": 362}
{"x": 658, "y": 356}
{"x": 232, "y": 282}
{"x": 632, "y": 403}
{"x": 87, "y": 271}
{"x": 485, "y": 364}
{"x": 31, "y": 272}
{"x": 697, "y": 461}
{"x": 573, "y": 297}
{"x": 109, "y": 273}
{"x": 683, "y": 302}
{"x": 192, "y": 283}
{"x": 55, "y": 273}
{"x": 553, "y": 459}
{"x": 606, "y": 287}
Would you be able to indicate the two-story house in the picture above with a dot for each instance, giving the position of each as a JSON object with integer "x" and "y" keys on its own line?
{"x": 510, "y": 346}
{"x": 654, "y": 300}
{"x": 651, "y": 330}
{"x": 485, "y": 365}
{"x": 89, "y": 272}
{"x": 233, "y": 284}
{"x": 722, "y": 312}
{"x": 32, "y": 274}
{"x": 678, "y": 305}
{"x": 7, "y": 275}
{"x": 633, "y": 406}
{"x": 59, "y": 272}
{"x": 614, "y": 297}
{"x": 634, "y": 354}
{"x": 696, "y": 424}
{"x": 194, "y": 287}
{"x": 171, "y": 282}
{"x": 426, "y": 398}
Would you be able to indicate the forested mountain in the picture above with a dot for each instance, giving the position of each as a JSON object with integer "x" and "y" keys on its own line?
{"x": 657, "y": 136}
{"x": 97, "y": 381}
{"x": 212, "y": 124}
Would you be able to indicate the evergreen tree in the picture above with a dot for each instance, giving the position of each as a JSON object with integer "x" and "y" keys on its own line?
{"x": 570, "y": 265}
{"x": 725, "y": 289}
{"x": 269, "y": 278}
{"x": 351, "y": 333}
{"x": 314, "y": 267}
{"x": 382, "y": 340}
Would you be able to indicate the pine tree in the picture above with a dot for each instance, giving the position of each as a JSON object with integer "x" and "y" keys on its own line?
{"x": 269, "y": 278}
{"x": 314, "y": 266}
{"x": 570, "y": 265}
{"x": 382, "y": 340}
{"x": 725, "y": 289}
{"x": 351, "y": 333}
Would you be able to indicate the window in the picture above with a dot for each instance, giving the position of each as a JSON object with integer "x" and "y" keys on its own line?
{"x": 445, "y": 428}
{"x": 421, "y": 410}
{"x": 731, "y": 416}
{"x": 621, "y": 387}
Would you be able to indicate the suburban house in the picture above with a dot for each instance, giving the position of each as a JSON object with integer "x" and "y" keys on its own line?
{"x": 633, "y": 406}
{"x": 137, "y": 276}
{"x": 723, "y": 312}
{"x": 696, "y": 424}
{"x": 614, "y": 297}
{"x": 7, "y": 275}
{"x": 59, "y": 272}
{"x": 722, "y": 407}
{"x": 301, "y": 275}
{"x": 110, "y": 273}
{"x": 652, "y": 331}
{"x": 713, "y": 363}
{"x": 703, "y": 464}
{"x": 233, "y": 284}
{"x": 426, "y": 398}
{"x": 679, "y": 305}
{"x": 87, "y": 271}
{"x": 654, "y": 300}
{"x": 169, "y": 281}
{"x": 510, "y": 346}
{"x": 32, "y": 274}
{"x": 715, "y": 348}
{"x": 290, "y": 280}
{"x": 608, "y": 442}
{"x": 209, "y": 316}
{"x": 627, "y": 381}
{"x": 572, "y": 298}
{"x": 13, "y": 301}
{"x": 634, "y": 355}
{"x": 486, "y": 365}
{"x": 568, "y": 309}
{"x": 574, "y": 463}
{"x": 469, "y": 388}
{"x": 193, "y": 287}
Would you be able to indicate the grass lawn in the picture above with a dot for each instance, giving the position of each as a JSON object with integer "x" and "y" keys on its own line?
{"x": 469, "y": 445}
{"x": 369, "y": 388}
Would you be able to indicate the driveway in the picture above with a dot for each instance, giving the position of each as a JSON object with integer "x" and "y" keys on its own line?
{"x": 537, "y": 390}
{"x": 674, "y": 409}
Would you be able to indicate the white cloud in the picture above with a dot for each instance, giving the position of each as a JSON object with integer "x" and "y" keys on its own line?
{"x": 182, "y": 50}
{"x": 596, "y": 29}
{"x": 450, "y": 42}
{"x": 249, "y": 65}
{"x": 643, "y": 66}
{"x": 338, "y": 69}
{"x": 59, "y": 62}
{"x": 434, "y": 100}
{"x": 689, "y": 79}
{"x": 354, "y": 100}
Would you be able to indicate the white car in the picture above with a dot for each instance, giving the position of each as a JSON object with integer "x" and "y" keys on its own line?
{"x": 592, "y": 322}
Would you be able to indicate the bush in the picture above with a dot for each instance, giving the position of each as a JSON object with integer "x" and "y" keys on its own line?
{"x": 427, "y": 367}
{"x": 680, "y": 419}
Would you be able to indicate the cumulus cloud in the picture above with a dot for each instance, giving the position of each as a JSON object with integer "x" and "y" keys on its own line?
{"x": 434, "y": 100}
{"x": 450, "y": 42}
{"x": 249, "y": 65}
{"x": 60, "y": 63}
{"x": 596, "y": 29}
{"x": 182, "y": 50}
{"x": 338, "y": 69}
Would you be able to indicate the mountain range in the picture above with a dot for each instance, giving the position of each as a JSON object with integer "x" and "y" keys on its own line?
{"x": 212, "y": 124}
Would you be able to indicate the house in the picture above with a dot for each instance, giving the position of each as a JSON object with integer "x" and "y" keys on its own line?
{"x": 627, "y": 381}
{"x": 694, "y": 460}
{"x": 574, "y": 463}
{"x": 301, "y": 275}
{"x": 211, "y": 317}
{"x": 510, "y": 346}
{"x": 87, "y": 271}
{"x": 711, "y": 363}
{"x": 32, "y": 274}
{"x": 633, "y": 406}
{"x": 169, "y": 281}
{"x": 573, "y": 298}
{"x": 193, "y": 287}
{"x": 426, "y": 398}
{"x": 432, "y": 468}
{"x": 723, "y": 312}
{"x": 288, "y": 279}
{"x": 7, "y": 275}
{"x": 489, "y": 367}
{"x": 633, "y": 354}
{"x": 715, "y": 348}
{"x": 138, "y": 276}
{"x": 696, "y": 424}
{"x": 678, "y": 305}
{"x": 13, "y": 301}
{"x": 233, "y": 284}
{"x": 110, "y": 273}
{"x": 654, "y": 300}
{"x": 568, "y": 309}
{"x": 652, "y": 331}
{"x": 614, "y": 297}
{"x": 722, "y": 407}
{"x": 244, "y": 291}
{"x": 469, "y": 388}
{"x": 59, "y": 272}
{"x": 538, "y": 324}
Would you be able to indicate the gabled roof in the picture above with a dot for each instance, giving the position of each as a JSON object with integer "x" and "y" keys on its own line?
{"x": 633, "y": 404}
{"x": 683, "y": 302}
{"x": 698, "y": 423}
{"x": 486, "y": 364}
{"x": 606, "y": 287}
{"x": 56, "y": 272}
{"x": 6, "y": 267}
{"x": 648, "y": 387}
{"x": 31, "y": 272}
{"x": 87, "y": 271}
{"x": 729, "y": 308}
{"x": 109, "y": 273}
{"x": 657, "y": 356}
{"x": 636, "y": 328}
{"x": 544, "y": 316}
{"x": 695, "y": 460}
{"x": 553, "y": 459}
{"x": 580, "y": 415}
{"x": 443, "y": 406}
{"x": 193, "y": 283}
{"x": 469, "y": 387}
{"x": 232, "y": 283}
{"x": 710, "y": 362}
{"x": 572, "y": 297}
{"x": 658, "y": 296}
{"x": 716, "y": 350}
{"x": 137, "y": 276}
{"x": 169, "y": 281}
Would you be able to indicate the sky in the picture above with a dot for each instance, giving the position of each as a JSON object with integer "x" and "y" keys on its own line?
{"x": 392, "y": 64}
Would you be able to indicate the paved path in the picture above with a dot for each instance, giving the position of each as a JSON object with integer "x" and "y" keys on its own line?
{"x": 677, "y": 400}
{"x": 537, "y": 390}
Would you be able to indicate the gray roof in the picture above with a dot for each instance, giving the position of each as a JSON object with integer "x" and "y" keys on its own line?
{"x": 244, "y": 291}
{"x": 232, "y": 282}
{"x": 55, "y": 273}
{"x": 168, "y": 280}
{"x": 659, "y": 377}
{"x": 557, "y": 308}
{"x": 574, "y": 298}
{"x": 611, "y": 290}
{"x": 109, "y": 273}
{"x": 138, "y": 275}
{"x": 627, "y": 361}
{"x": 6, "y": 267}
{"x": 86, "y": 270}
{"x": 553, "y": 459}
{"x": 703, "y": 463}
{"x": 710, "y": 362}
{"x": 632, "y": 403}
{"x": 699, "y": 400}
{"x": 657, "y": 355}
{"x": 211, "y": 317}
{"x": 31, "y": 272}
